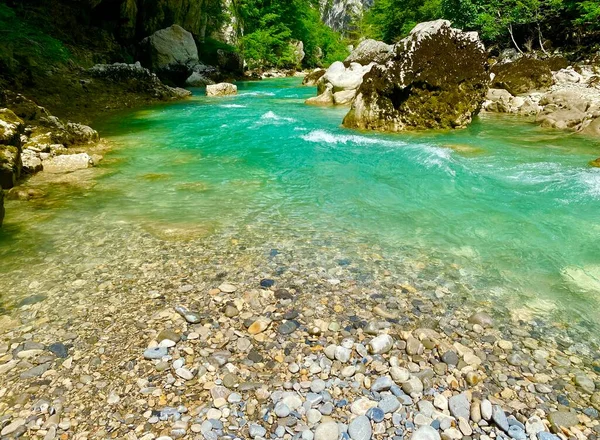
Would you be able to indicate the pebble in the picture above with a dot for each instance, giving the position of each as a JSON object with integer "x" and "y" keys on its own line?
{"x": 256, "y": 430}
{"x": 287, "y": 327}
{"x": 499, "y": 417}
{"x": 389, "y": 404}
{"x": 425, "y": 433}
{"x": 155, "y": 353}
{"x": 383, "y": 383}
{"x": 327, "y": 431}
{"x": 460, "y": 406}
{"x": 381, "y": 344}
{"x": 486, "y": 410}
{"x": 375, "y": 414}
{"x": 282, "y": 410}
{"x": 360, "y": 428}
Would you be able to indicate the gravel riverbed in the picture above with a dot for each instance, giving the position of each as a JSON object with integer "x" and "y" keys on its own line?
{"x": 241, "y": 334}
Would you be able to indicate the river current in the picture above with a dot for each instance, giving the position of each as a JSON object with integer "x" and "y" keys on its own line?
{"x": 504, "y": 211}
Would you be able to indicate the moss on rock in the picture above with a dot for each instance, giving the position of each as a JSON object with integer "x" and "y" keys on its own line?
{"x": 522, "y": 76}
{"x": 437, "y": 79}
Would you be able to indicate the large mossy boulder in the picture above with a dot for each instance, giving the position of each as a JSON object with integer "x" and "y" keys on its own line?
{"x": 436, "y": 78}
{"x": 11, "y": 128}
{"x": 524, "y": 75}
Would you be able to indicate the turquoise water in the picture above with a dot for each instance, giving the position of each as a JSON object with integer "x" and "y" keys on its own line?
{"x": 513, "y": 208}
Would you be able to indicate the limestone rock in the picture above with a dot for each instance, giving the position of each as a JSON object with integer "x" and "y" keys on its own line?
{"x": 370, "y": 51}
{"x": 436, "y": 78}
{"x": 297, "y": 48}
{"x": 341, "y": 81}
{"x": 221, "y": 89}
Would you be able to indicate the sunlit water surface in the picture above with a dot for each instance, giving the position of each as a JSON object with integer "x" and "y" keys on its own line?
{"x": 514, "y": 207}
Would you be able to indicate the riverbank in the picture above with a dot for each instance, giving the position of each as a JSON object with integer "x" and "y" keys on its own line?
{"x": 288, "y": 295}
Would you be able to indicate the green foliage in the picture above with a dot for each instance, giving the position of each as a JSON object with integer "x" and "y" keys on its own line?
{"x": 273, "y": 26}
{"x": 22, "y": 43}
{"x": 503, "y": 22}
{"x": 207, "y": 50}
{"x": 391, "y": 20}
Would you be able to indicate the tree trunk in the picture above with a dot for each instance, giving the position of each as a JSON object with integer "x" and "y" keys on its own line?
{"x": 512, "y": 37}
{"x": 540, "y": 39}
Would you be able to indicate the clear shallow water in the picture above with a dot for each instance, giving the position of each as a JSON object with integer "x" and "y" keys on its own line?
{"x": 513, "y": 208}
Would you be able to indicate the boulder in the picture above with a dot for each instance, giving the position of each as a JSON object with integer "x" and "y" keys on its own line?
{"x": 67, "y": 163}
{"x": 370, "y": 51}
{"x": 313, "y": 77}
{"x": 595, "y": 163}
{"x": 436, "y": 78}
{"x": 221, "y": 89}
{"x": 523, "y": 75}
{"x": 137, "y": 79}
{"x": 170, "y": 52}
{"x": 339, "y": 78}
{"x": 501, "y": 101}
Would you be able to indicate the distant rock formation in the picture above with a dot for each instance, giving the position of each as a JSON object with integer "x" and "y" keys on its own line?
{"x": 436, "y": 78}
{"x": 339, "y": 14}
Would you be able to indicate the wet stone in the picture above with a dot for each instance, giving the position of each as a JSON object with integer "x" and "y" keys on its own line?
{"x": 59, "y": 349}
{"x": 287, "y": 327}
{"x": 266, "y": 283}
{"x": 564, "y": 419}
{"x": 383, "y": 383}
{"x": 375, "y": 414}
{"x": 450, "y": 358}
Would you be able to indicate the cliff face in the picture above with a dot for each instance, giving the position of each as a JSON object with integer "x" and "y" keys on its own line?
{"x": 135, "y": 19}
{"x": 339, "y": 14}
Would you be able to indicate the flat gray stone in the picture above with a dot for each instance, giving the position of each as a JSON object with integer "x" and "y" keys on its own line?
{"x": 426, "y": 433}
{"x": 460, "y": 407}
{"x": 360, "y": 428}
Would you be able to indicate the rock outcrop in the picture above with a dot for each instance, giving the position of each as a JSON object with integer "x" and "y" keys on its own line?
{"x": 135, "y": 78}
{"x": 339, "y": 84}
{"x": 11, "y": 130}
{"x": 436, "y": 78}
{"x": 572, "y": 101}
{"x": 68, "y": 163}
{"x": 297, "y": 48}
{"x": 370, "y": 51}
{"x": 221, "y": 89}
{"x": 339, "y": 14}
{"x": 524, "y": 75}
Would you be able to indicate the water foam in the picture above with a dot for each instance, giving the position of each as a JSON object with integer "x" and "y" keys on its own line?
{"x": 233, "y": 106}
{"x": 325, "y": 137}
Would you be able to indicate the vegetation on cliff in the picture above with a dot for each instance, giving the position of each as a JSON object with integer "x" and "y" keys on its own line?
{"x": 522, "y": 24}
{"x": 270, "y": 27}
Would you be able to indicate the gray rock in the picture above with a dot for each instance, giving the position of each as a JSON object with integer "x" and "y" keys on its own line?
{"x": 585, "y": 383}
{"x": 317, "y": 385}
{"x": 450, "y": 358}
{"x": 517, "y": 433}
{"x": 35, "y": 371}
{"x": 547, "y": 436}
{"x": 389, "y": 404}
{"x": 370, "y": 51}
{"x": 327, "y": 431}
{"x": 287, "y": 327}
{"x": 459, "y": 406}
{"x": 360, "y": 428}
{"x": 255, "y": 430}
{"x": 381, "y": 344}
{"x": 486, "y": 410}
{"x": 564, "y": 419}
{"x": 383, "y": 383}
{"x": 59, "y": 349}
{"x": 499, "y": 418}
{"x": 426, "y": 433}
{"x": 413, "y": 385}
{"x": 282, "y": 410}
{"x": 155, "y": 353}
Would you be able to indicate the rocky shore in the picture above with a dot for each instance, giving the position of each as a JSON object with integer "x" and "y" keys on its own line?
{"x": 231, "y": 338}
